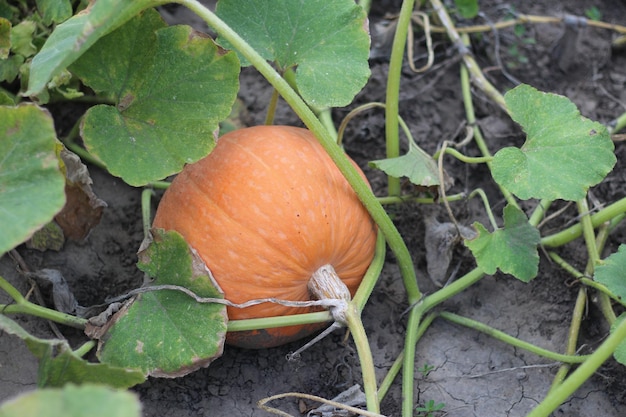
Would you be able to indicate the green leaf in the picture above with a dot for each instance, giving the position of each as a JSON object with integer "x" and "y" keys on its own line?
{"x": 612, "y": 272}
{"x": 60, "y": 365}
{"x": 620, "y": 352}
{"x": 564, "y": 153}
{"x": 67, "y": 367}
{"x": 76, "y": 35}
{"x": 22, "y": 38}
{"x": 38, "y": 346}
{"x": 419, "y": 167}
{"x": 73, "y": 401}
{"x": 512, "y": 249}
{"x": 468, "y": 9}
{"x": 10, "y": 68}
{"x": 171, "y": 85}
{"x": 166, "y": 332}
{"x": 32, "y": 189}
{"x": 54, "y": 11}
{"x": 326, "y": 40}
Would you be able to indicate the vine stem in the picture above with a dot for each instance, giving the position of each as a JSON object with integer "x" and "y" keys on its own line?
{"x": 23, "y": 306}
{"x": 395, "y": 368}
{"x": 326, "y": 284}
{"x": 146, "y": 196}
{"x": 363, "y": 191}
{"x": 392, "y": 99}
{"x": 470, "y": 114}
{"x": 513, "y": 341}
{"x": 470, "y": 63}
{"x": 557, "y": 396}
{"x": 565, "y": 236}
{"x": 355, "y": 324}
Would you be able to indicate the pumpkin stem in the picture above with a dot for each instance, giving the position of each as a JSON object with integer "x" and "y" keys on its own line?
{"x": 325, "y": 284}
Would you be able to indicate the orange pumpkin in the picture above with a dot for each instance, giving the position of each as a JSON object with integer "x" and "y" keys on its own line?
{"x": 265, "y": 210}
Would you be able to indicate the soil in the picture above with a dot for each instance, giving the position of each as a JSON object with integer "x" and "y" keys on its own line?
{"x": 472, "y": 374}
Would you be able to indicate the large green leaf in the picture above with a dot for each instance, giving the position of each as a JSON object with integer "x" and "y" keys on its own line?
{"x": 564, "y": 153}
{"x": 512, "y": 249}
{"x": 166, "y": 332}
{"x": 73, "y": 37}
{"x": 31, "y": 185}
{"x": 327, "y": 41}
{"x": 59, "y": 365}
{"x": 171, "y": 85}
{"x": 73, "y": 401}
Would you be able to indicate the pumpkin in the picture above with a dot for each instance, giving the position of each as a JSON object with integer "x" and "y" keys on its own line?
{"x": 265, "y": 210}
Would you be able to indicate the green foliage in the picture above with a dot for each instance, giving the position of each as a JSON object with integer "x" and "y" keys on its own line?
{"x": 593, "y": 13}
{"x": 32, "y": 190}
{"x": 54, "y": 11}
{"x": 429, "y": 408}
{"x": 564, "y": 153}
{"x": 467, "y": 9}
{"x": 512, "y": 249}
{"x": 419, "y": 167}
{"x": 171, "y": 87}
{"x": 76, "y": 35}
{"x": 425, "y": 369}
{"x": 612, "y": 272}
{"x": 325, "y": 41}
{"x": 166, "y": 332}
{"x": 73, "y": 401}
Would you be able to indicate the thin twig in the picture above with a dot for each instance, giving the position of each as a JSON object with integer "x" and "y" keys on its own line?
{"x": 327, "y": 303}
{"x": 335, "y": 404}
{"x": 429, "y": 44}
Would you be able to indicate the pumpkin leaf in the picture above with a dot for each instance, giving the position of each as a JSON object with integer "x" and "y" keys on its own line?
{"x": 326, "y": 41}
{"x": 419, "y": 167}
{"x": 165, "y": 332}
{"x": 54, "y": 11}
{"x": 76, "y": 35}
{"x": 67, "y": 367}
{"x": 564, "y": 153}
{"x": 60, "y": 365}
{"x": 32, "y": 189}
{"x": 512, "y": 249}
{"x": 73, "y": 401}
{"x": 612, "y": 272}
{"x": 171, "y": 87}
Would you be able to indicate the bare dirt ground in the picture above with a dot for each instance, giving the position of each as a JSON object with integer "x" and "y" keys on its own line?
{"x": 473, "y": 374}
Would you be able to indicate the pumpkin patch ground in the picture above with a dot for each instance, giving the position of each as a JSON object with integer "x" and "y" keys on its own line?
{"x": 460, "y": 371}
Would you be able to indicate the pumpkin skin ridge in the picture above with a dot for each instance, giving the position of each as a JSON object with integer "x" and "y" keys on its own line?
{"x": 350, "y": 242}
